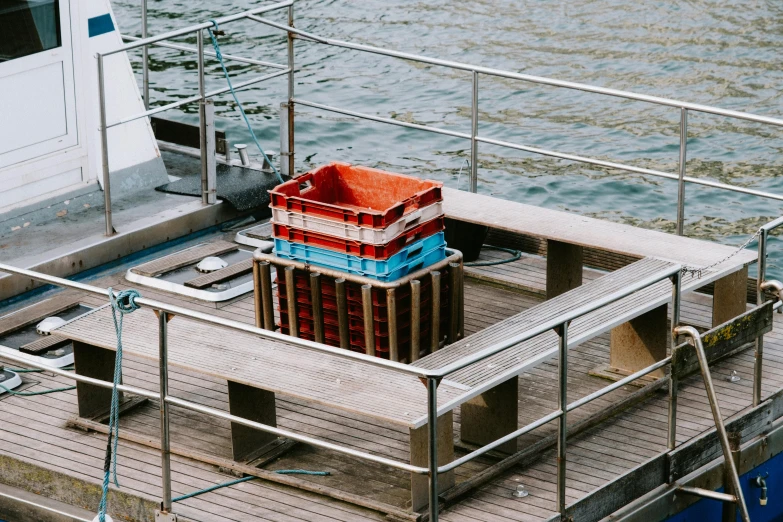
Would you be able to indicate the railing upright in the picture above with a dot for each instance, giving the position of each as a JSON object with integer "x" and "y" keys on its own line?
{"x": 562, "y": 426}
{"x": 673, "y": 381}
{"x": 474, "y": 135}
{"x": 432, "y": 435}
{"x": 104, "y": 147}
{"x": 165, "y": 442}
{"x": 145, "y": 71}
{"x": 681, "y": 169}
{"x": 290, "y": 108}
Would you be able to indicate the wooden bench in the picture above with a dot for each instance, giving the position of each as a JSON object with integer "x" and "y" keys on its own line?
{"x": 257, "y": 369}
{"x": 490, "y": 398}
{"x": 567, "y": 234}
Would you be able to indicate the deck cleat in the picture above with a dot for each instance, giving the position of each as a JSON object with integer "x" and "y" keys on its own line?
{"x": 8, "y": 379}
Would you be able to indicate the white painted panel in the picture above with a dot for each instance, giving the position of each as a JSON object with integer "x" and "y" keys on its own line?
{"x": 33, "y": 107}
{"x": 41, "y": 187}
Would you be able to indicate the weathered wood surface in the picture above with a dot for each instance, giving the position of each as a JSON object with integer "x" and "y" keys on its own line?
{"x": 274, "y": 366}
{"x": 44, "y": 344}
{"x": 184, "y": 258}
{"x": 38, "y": 311}
{"x": 585, "y": 231}
{"x": 723, "y": 340}
{"x": 218, "y": 276}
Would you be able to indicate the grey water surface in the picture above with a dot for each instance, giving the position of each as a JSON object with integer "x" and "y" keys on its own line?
{"x": 722, "y": 53}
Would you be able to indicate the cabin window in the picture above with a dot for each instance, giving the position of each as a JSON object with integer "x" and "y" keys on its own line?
{"x": 28, "y": 27}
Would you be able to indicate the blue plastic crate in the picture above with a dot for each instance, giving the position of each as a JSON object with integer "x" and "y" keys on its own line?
{"x": 415, "y": 256}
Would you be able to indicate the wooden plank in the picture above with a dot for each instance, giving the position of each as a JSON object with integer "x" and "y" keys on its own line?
{"x": 724, "y": 339}
{"x": 186, "y": 257}
{"x": 585, "y": 231}
{"x": 44, "y": 344}
{"x": 218, "y": 276}
{"x": 619, "y": 492}
{"x": 35, "y": 313}
{"x": 706, "y": 447}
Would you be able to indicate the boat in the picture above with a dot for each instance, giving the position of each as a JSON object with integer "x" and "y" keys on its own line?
{"x": 169, "y": 353}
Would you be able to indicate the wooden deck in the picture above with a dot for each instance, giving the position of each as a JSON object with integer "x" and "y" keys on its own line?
{"x": 36, "y": 438}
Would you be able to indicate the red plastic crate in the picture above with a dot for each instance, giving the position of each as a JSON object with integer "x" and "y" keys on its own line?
{"x": 353, "y": 194}
{"x": 357, "y": 248}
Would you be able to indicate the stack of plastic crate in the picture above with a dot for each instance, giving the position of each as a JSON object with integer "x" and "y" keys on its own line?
{"x": 365, "y": 222}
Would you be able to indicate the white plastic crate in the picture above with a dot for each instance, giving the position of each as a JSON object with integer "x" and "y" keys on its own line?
{"x": 375, "y": 236}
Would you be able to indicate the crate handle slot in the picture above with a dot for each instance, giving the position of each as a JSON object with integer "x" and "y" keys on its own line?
{"x": 305, "y": 185}
{"x": 413, "y": 252}
{"x": 413, "y": 238}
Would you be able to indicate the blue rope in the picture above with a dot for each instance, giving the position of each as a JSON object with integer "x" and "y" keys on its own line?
{"x": 246, "y": 479}
{"x": 124, "y": 303}
{"x": 219, "y": 56}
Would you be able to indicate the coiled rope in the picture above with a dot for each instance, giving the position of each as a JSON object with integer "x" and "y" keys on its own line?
{"x": 219, "y": 56}
{"x": 122, "y": 303}
{"x": 247, "y": 479}
{"x": 515, "y": 255}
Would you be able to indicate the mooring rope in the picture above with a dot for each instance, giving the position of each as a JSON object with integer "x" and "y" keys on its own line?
{"x": 123, "y": 303}
{"x": 247, "y": 479}
{"x": 219, "y": 56}
{"x": 515, "y": 255}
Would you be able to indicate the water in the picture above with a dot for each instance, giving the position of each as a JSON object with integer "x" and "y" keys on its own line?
{"x": 703, "y": 51}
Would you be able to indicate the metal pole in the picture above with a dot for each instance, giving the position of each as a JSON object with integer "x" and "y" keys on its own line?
{"x": 673, "y": 380}
{"x": 391, "y": 311}
{"x": 432, "y": 432}
{"x": 291, "y": 170}
{"x": 415, "y": 320}
{"x": 683, "y": 156}
{"x": 473, "y": 134}
{"x": 562, "y": 396}
{"x": 454, "y": 302}
{"x": 758, "y": 365}
{"x": 342, "y": 312}
{"x": 318, "y": 311}
{"x": 258, "y": 307}
{"x": 717, "y": 417}
{"x": 265, "y": 272}
{"x": 104, "y": 148}
{"x": 284, "y": 152}
{"x": 369, "y": 326}
{"x": 209, "y": 152}
{"x": 435, "y": 330}
{"x": 145, "y": 71}
{"x": 202, "y": 117}
{"x": 290, "y": 291}
{"x": 165, "y": 442}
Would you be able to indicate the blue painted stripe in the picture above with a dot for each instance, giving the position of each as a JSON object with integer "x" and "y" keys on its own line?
{"x": 100, "y": 25}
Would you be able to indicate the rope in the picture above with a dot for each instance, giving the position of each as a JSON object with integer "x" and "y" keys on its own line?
{"x": 515, "y": 255}
{"x": 30, "y": 394}
{"x": 123, "y": 303}
{"x": 219, "y": 56}
{"x": 247, "y": 479}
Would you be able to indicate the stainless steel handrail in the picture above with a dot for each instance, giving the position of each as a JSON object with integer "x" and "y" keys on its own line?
{"x": 684, "y": 107}
{"x": 761, "y": 276}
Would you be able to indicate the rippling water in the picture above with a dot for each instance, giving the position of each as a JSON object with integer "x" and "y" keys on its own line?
{"x": 716, "y": 53}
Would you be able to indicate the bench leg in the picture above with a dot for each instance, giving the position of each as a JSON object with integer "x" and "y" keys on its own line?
{"x": 492, "y": 415}
{"x": 256, "y": 405}
{"x": 730, "y": 297}
{"x": 419, "y": 457}
{"x": 563, "y": 267}
{"x": 98, "y": 363}
{"x": 640, "y": 342}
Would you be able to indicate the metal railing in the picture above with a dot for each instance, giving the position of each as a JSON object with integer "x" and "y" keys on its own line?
{"x": 433, "y": 378}
{"x": 204, "y": 98}
{"x": 287, "y": 135}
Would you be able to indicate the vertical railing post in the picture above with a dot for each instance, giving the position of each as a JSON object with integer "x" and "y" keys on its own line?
{"x": 432, "y": 435}
{"x": 202, "y": 117}
{"x": 104, "y": 148}
{"x": 210, "y": 187}
{"x": 145, "y": 71}
{"x": 562, "y": 396}
{"x": 673, "y": 381}
{"x": 683, "y": 158}
{"x": 284, "y": 152}
{"x": 759, "y": 353}
{"x": 291, "y": 170}
{"x": 165, "y": 443}
{"x": 473, "y": 134}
